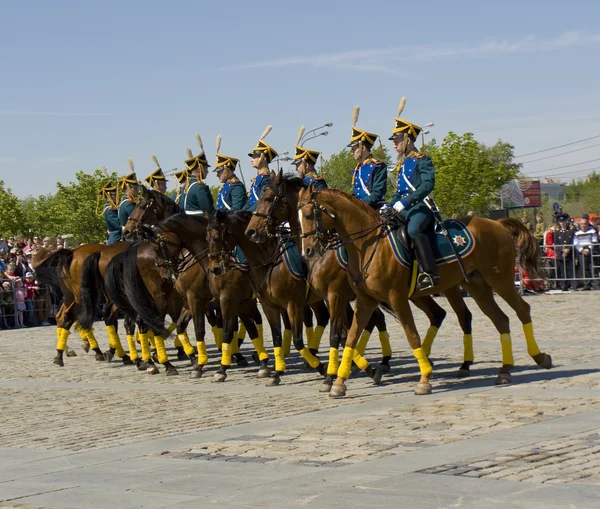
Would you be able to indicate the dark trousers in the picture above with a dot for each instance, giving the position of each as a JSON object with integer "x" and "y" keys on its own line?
{"x": 584, "y": 270}
{"x": 565, "y": 272}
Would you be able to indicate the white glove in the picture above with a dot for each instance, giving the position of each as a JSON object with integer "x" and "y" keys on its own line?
{"x": 398, "y": 206}
{"x": 384, "y": 207}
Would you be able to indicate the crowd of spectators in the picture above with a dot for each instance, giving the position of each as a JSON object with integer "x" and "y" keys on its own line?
{"x": 24, "y": 302}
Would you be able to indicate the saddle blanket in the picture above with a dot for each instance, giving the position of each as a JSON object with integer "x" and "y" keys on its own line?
{"x": 293, "y": 261}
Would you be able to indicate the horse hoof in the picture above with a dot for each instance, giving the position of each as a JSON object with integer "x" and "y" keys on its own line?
{"x": 70, "y": 352}
{"x": 264, "y": 373}
{"x": 325, "y": 387}
{"x": 172, "y": 371}
{"x": 274, "y": 381}
{"x": 337, "y": 391}
{"x": 108, "y": 356}
{"x": 152, "y": 370}
{"x": 546, "y": 361}
{"x": 503, "y": 379}
{"x": 219, "y": 377}
{"x": 143, "y": 365}
{"x": 423, "y": 389}
{"x": 193, "y": 359}
{"x": 385, "y": 368}
{"x": 242, "y": 362}
{"x": 463, "y": 373}
{"x": 59, "y": 362}
{"x": 100, "y": 357}
{"x": 85, "y": 345}
{"x": 127, "y": 360}
{"x": 377, "y": 375}
{"x": 196, "y": 373}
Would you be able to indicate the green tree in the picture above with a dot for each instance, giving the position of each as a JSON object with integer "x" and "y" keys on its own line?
{"x": 11, "y": 216}
{"x": 469, "y": 175}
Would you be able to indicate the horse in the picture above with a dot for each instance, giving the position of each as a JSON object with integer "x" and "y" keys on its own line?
{"x": 278, "y": 204}
{"x": 330, "y": 214}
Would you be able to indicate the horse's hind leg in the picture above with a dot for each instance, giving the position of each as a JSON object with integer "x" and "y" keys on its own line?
{"x": 506, "y": 289}
{"x": 230, "y": 320}
{"x": 147, "y": 363}
{"x": 384, "y": 339}
{"x": 465, "y": 319}
{"x": 183, "y": 320}
{"x": 88, "y": 335}
{"x": 110, "y": 314}
{"x": 286, "y": 342}
{"x": 322, "y": 315}
{"x": 64, "y": 322}
{"x": 436, "y": 315}
{"x": 129, "y": 324}
{"x": 295, "y": 312}
{"x": 484, "y": 296}
{"x": 337, "y": 308}
{"x": 247, "y": 312}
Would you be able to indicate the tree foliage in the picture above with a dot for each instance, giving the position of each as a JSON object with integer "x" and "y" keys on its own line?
{"x": 11, "y": 217}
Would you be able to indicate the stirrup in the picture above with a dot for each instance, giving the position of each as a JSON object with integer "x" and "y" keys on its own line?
{"x": 426, "y": 281}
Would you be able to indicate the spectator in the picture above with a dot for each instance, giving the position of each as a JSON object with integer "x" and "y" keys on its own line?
{"x": 2, "y": 263}
{"x": 20, "y": 296}
{"x": 29, "y": 247}
{"x": 36, "y": 242}
{"x": 3, "y": 246}
{"x": 10, "y": 271}
{"x": 21, "y": 266}
{"x": 8, "y": 304}
{"x": 525, "y": 220}
{"x": 563, "y": 242}
{"x": 583, "y": 240}
{"x": 48, "y": 244}
{"x": 540, "y": 228}
{"x": 10, "y": 243}
{"x": 549, "y": 253}
{"x": 32, "y": 295}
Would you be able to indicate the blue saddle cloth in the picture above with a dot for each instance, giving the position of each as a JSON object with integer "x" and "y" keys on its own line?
{"x": 293, "y": 261}
{"x": 458, "y": 233}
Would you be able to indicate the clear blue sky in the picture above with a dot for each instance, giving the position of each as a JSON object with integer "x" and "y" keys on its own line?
{"x": 88, "y": 84}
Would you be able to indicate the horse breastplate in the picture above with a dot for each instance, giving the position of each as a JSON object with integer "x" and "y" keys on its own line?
{"x": 406, "y": 176}
{"x": 361, "y": 181}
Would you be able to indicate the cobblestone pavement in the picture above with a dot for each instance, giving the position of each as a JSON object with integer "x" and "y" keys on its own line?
{"x": 92, "y": 406}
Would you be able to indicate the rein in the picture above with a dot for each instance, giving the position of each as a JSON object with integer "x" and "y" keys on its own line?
{"x": 180, "y": 263}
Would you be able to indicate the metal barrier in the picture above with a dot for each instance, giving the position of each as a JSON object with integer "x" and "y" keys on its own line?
{"x": 566, "y": 267}
{"x": 36, "y": 312}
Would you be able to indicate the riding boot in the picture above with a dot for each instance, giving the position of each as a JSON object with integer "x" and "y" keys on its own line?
{"x": 429, "y": 277}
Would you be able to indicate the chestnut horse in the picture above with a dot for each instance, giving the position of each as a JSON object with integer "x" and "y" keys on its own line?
{"x": 278, "y": 204}
{"x": 377, "y": 278}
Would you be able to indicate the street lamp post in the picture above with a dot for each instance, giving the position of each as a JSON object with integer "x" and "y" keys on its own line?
{"x": 306, "y": 137}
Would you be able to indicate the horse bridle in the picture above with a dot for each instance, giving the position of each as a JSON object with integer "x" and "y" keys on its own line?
{"x": 274, "y": 231}
{"x": 319, "y": 232}
{"x": 140, "y": 221}
{"x": 176, "y": 264}
{"x": 224, "y": 256}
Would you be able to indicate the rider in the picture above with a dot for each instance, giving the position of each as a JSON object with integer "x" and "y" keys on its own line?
{"x": 305, "y": 161}
{"x": 178, "y": 196}
{"x": 129, "y": 186}
{"x": 416, "y": 180}
{"x": 232, "y": 193}
{"x": 369, "y": 177}
{"x": 110, "y": 213}
{"x": 198, "y": 199}
{"x": 157, "y": 180}
{"x": 260, "y": 157}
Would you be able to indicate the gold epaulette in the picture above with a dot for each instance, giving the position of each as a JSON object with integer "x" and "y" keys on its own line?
{"x": 233, "y": 180}
{"x": 416, "y": 155}
{"x": 264, "y": 171}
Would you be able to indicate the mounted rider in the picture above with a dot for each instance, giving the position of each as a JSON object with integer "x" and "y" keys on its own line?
{"x": 157, "y": 180}
{"x": 260, "y": 157}
{"x": 416, "y": 180}
{"x": 129, "y": 186}
{"x": 198, "y": 198}
{"x": 182, "y": 177}
{"x": 108, "y": 193}
{"x": 305, "y": 161}
{"x": 369, "y": 177}
{"x": 232, "y": 193}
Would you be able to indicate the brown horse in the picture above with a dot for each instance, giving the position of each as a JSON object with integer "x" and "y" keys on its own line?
{"x": 278, "y": 204}
{"x": 376, "y": 278}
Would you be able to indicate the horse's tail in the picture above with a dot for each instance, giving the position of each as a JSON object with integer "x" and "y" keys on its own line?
{"x": 528, "y": 247}
{"x": 52, "y": 269}
{"x": 90, "y": 291}
{"x": 113, "y": 284}
{"x": 139, "y": 296}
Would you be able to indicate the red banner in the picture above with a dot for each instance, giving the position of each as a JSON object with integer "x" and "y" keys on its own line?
{"x": 532, "y": 193}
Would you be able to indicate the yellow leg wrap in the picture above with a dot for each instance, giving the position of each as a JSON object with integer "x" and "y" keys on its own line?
{"x": 89, "y": 335}
{"x": 171, "y": 327}
{"x": 177, "y": 342}
{"x": 218, "y": 334}
{"x": 241, "y": 331}
{"x": 185, "y": 342}
{"x": 362, "y": 342}
{"x": 62, "y": 336}
{"x": 235, "y": 345}
{"x": 384, "y": 339}
{"x": 310, "y": 332}
{"x": 161, "y": 351}
{"x": 428, "y": 341}
{"x": 202, "y": 355}
{"x": 309, "y": 357}
{"x": 226, "y": 355}
{"x": 151, "y": 339}
{"x": 423, "y": 361}
{"x": 532, "y": 348}
{"x": 114, "y": 341}
{"x": 145, "y": 347}
{"x": 319, "y": 330}
{"x": 346, "y": 365}
{"x": 287, "y": 342}
{"x": 259, "y": 346}
{"x": 334, "y": 361}
{"x": 360, "y": 361}
{"x": 259, "y": 329}
{"x": 468, "y": 347}
{"x": 133, "y": 353}
{"x": 507, "y": 355}
{"x": 137, "y": 337}
{"x": 279, "y": 359}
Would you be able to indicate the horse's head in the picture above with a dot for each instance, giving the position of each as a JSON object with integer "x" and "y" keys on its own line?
{"x": 220, "y": 245}
{"x": 151, "y": 208}
{"x": 316, "y": 222}
{"x": 276, "y": 205}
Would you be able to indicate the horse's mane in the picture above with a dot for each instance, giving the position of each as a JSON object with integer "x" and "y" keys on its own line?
{"x": 179, "y": 221}
{"x": 164, "y": 202}
{"x": 235, "y": 217}
{"x": 289, "y": 178}
{"x": 336, "y": 193}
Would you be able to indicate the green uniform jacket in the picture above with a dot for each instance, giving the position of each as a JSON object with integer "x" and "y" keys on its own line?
{"x": 125, "y": 209}
{"x": 113, "y": 226}
{"x": 198, "y": 200}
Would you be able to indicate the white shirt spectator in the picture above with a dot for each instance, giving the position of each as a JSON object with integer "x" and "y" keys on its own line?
{"x": 585, "y": 238}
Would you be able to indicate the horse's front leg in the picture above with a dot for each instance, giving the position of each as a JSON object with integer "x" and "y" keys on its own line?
{"x": 229, "y": 336}
{"x": 295, "y": 311}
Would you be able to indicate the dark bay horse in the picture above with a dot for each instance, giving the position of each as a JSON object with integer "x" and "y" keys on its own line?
{"x": 378, "y": 278}
{"x": 279, "y": 203}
